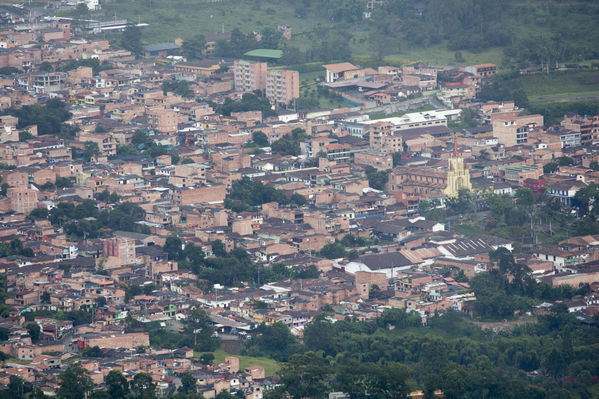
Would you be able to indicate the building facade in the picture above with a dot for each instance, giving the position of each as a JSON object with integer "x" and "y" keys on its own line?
{"x": 282, "y": 86}
{"x": 249, "y": 75}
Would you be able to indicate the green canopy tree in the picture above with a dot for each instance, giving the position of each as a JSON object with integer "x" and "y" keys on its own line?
{"x": 75, "y": 383}
{"x": 116, "y": 384}
{"x": 198, "y": 324}
{"x": 16, "y": 387}
{"x": 307, "y": 375}
{"x": 143, "y": 387}
{"x": 193, "y": 48}
{"x": 131, "y": 39}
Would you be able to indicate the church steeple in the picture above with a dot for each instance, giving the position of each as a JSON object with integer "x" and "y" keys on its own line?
{"x": 455, "y": 146}
{"x": 458, "y": 177}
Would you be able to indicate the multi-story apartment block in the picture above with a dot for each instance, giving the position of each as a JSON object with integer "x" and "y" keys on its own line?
{"x": 164, "y": 120}
{"x": 282, "y": 86}
{"x": 249, "y": 75}
{"x": 514, "y": 130}
{"x": 22, "y": 199}
{"x": 588, "y": 127}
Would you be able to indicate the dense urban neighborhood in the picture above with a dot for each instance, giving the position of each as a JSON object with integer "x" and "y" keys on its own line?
{"x": 180, "y": 222}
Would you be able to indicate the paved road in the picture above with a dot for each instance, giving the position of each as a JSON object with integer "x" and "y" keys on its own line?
{"x": 561, "y": 99}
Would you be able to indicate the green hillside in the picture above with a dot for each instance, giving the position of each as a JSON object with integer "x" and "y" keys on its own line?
{"x": 436, "y": 31}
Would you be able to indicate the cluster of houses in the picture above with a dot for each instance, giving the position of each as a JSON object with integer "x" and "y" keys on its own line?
{"x": 406, "y": 261}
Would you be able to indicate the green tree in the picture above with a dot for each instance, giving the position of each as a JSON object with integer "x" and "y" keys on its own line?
{"x": 75, "y": 383}
{"x": 320, "y": 335}
{"x": 116, "y": 384}
{"x": 188, "y": 383}
{"x": 63, "y": 182}
{"x": 197, "y": 323}
{"x": 218, "y": 248}
{"x": 565, "y": 161}
{"x": 377, "y": 179}
{"x": 143, "y": 387}
{"x": 551, "y": 167}
{"x": 131, "y": 39}
{"x": 193, "y": 48}
{"x": 93, "y": 351}
{"x": 306, "y": 375}
{"x": 100, "y": 301}
{"x": 34, "y": 331}
{"x": 173, "y": 247}
{"x": 271, "y": 38}
{"x": 273, "y": 340}
{"x": 207, "y": 358}
{"x": 260, "y": 139}
{"x": 178, "y": 87}
{"x": 37, "y": 393}
{"x": 16, "y": 387}
{"x": 46, "y": 66}
{"x": 333, "y": 250}
{"x": 90, "y": 150}
{"x": 367, "y": 379}
{"x": 396, "y": 158}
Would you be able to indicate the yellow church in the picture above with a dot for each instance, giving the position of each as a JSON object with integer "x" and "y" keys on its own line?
{"x": 458, "y": 177}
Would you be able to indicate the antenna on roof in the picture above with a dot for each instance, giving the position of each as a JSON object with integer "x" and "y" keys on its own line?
{"x": 30, "y": 15}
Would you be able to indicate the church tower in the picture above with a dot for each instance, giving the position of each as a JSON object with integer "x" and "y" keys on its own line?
{"x": 458, "y": 177}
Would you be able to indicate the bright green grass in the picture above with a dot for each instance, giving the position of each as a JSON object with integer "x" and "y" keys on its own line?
{"x": 309, "y": 90}
{"x": 561, "y": 84}
{"x": 439, "y": 55}
{"x": 271, "y": 367}
{"x": 185, "y": 18}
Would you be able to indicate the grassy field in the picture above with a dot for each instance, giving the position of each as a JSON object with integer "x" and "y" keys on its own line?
{"x": 185, "y": 18}
{"x": 439, "y": 55}
{"x": 310, "y": 91}
{"x": 561, "y": 84}
{"x": 169, "y": 19}
{"x": 271, "y": 367}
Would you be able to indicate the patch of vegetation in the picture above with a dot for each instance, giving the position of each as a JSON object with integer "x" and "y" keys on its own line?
{"x": 178, "y": 87}
{"x": 246, "y": 195}
{"x": 49, "y": 118}
{"x": 290, "y": 143}
{"x": 85, "y": 220}
{"x": 248, "y": 102}
{"x": 553, "y": 113}
{"x": 271, "y": 367}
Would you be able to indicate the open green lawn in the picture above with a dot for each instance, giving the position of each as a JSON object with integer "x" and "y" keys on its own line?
{"x": 271, "y": 367}
{"x": 561, "y": 84}
{"x": 439, "y": 55}
{"x": 185, "y": 18}
{"x": 309, "y": 90}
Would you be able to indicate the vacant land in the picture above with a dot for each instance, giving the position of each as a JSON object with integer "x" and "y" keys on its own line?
{"x": 270, "y": 366}
{"x": 561, "y": 84}
{"x": 186, "y": 18}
